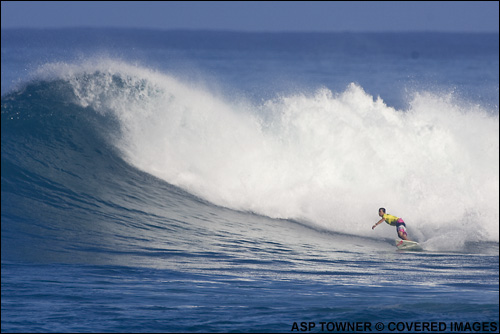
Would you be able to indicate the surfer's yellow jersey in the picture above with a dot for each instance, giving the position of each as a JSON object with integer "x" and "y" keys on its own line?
{"x": 390, "y": 219}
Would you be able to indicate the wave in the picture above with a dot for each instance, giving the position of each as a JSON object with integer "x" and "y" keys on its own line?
{"x": 327, "y": 159}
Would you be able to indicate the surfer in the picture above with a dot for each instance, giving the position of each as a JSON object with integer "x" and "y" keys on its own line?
{"x": 393, "y": 221}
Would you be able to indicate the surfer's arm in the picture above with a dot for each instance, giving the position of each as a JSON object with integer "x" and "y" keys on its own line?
{"x": 378, "y": 223}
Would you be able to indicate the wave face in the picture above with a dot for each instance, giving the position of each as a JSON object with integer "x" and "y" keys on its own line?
{"x": 84, "y": 134}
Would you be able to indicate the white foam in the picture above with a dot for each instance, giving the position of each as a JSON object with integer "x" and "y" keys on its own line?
{"x": 331, "y": 159}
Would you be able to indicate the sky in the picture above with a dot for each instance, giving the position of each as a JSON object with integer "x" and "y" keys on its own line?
{"x": 258, "y": 16}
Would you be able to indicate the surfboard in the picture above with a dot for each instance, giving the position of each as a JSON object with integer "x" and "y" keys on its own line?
{"x": 408, "y": 245}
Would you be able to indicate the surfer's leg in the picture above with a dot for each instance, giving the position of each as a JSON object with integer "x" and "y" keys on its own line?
{"x": 403, "y": 236}
{"x": 402, "y": 232}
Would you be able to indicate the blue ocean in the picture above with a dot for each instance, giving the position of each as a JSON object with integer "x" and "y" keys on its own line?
{"x": 217, "y": 181}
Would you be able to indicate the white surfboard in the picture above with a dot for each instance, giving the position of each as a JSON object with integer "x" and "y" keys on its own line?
{"x": 408, "y": 245}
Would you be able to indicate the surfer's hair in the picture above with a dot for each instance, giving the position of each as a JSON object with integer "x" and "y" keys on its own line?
{"x": 383, "y": 210}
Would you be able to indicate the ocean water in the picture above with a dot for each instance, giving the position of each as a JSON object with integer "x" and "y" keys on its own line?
{"x": 195, "y": 181}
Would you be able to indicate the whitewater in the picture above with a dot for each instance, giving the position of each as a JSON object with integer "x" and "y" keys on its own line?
{"x": 183, "y": 186}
